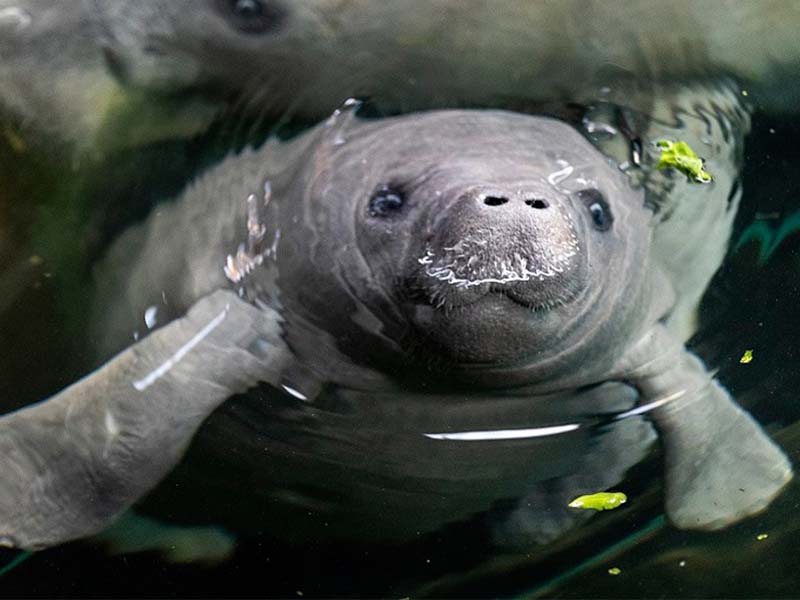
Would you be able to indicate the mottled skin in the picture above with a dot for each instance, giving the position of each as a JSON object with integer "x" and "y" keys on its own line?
{"x": 115, "y": 73}
{"x": 516, "y": 284}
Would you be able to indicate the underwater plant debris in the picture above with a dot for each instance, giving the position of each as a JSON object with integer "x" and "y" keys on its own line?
{"x": 599, "y": 501}
{"x": 15, "y": 141}
{"x": 680, "y": 156}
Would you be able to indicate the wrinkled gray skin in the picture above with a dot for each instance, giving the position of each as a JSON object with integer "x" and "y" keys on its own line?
{"x": 490, "y": 300}
{"x": 105, "y": 74}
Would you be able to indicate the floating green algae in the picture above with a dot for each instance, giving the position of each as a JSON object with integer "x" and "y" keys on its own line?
{"x": 680, "y": 156}
{"x": 600, "y": 501}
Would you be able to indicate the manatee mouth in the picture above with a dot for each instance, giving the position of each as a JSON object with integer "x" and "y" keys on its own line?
{"x": 471, "y": 271}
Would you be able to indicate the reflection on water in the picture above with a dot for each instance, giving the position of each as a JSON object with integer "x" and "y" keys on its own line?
{"x": 355, "y": 466}
{"x": 370, "y": 467}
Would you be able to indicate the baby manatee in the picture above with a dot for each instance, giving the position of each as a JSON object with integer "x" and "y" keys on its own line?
{"x": 396, "y": 324}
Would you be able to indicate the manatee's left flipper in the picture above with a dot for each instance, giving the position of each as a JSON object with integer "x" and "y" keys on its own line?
{"x": 71, "y": 464}
{"x": 720, "y": 464}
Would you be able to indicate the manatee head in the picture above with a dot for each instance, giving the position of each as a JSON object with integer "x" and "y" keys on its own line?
{"x": 171, "y": 47}
{"x": 490, "y": 242}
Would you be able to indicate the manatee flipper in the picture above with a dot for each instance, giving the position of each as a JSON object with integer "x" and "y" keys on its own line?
{"x": 71, "y": 464}
{"x": 720, "y": 464}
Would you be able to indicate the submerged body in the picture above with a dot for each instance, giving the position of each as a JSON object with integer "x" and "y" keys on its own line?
{"x": 467, "y": 307}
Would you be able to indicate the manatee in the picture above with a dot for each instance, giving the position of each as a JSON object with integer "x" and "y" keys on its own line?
{"x": 60, "y": 91}
{"x": 113, "y": 74}
{"x": 416, "y": 54}
{"x": 468, "y": 307}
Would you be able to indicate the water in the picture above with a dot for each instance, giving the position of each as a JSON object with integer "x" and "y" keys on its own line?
{"x": 364, "y": 494}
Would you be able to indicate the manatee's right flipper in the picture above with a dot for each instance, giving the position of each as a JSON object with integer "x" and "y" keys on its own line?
{"x": 71, "y": 464}
{"x": 720, "y": 464}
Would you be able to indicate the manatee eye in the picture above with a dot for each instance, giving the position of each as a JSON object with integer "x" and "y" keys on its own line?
{"x": 251, "y": 16}
{"x": 598, "y": 208}
{"x": 386, "y": 201}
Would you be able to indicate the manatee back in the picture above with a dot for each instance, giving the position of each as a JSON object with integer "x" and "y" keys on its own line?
{"x": 693, "y": 223}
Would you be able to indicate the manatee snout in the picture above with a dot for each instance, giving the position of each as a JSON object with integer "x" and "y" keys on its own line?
{"x": 517, "y": 240}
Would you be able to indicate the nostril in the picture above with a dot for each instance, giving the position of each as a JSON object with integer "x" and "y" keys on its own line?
{"x": 494, "y": 200}
{"x": 537, "y": 203}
